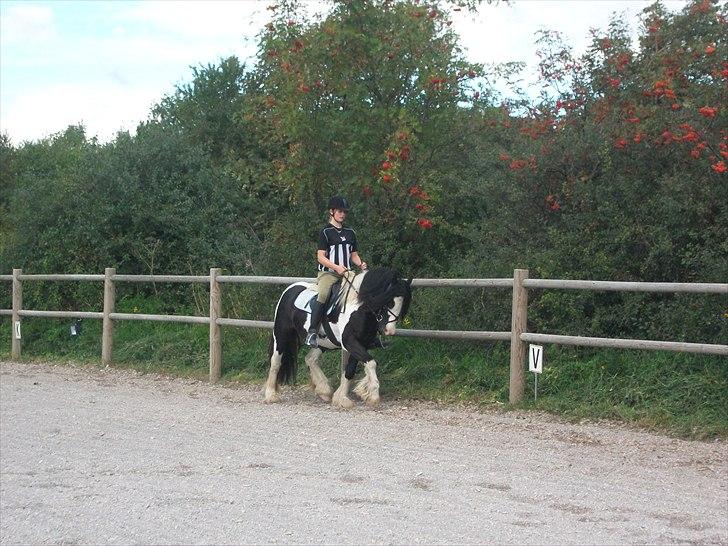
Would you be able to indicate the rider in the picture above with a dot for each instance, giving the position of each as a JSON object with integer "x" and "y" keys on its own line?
{"x": 337, "y": 250}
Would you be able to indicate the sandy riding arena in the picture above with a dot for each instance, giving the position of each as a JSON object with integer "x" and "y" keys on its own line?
{"x": 106, "y": 456}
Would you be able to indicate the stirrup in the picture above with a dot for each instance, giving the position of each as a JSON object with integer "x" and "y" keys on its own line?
{"x": 312, "y": 339}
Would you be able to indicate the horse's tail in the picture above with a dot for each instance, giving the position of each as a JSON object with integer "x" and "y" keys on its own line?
{"x": 288, "y": 346}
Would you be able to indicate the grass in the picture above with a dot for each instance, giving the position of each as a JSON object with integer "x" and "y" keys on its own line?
{"x": 681, "y": 394}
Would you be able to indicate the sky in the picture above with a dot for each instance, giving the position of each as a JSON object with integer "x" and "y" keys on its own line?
{"x": 105, "y": 64}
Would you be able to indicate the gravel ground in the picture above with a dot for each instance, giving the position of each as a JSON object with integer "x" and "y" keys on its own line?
{"x": 90, "y": 455}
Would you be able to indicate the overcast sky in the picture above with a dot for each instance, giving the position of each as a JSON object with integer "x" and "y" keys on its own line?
{"x": 105, "y": 63}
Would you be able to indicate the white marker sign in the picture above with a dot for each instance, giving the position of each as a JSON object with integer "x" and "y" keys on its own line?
{"x": 17, "y": 329}
{"x": 535, "y": 358}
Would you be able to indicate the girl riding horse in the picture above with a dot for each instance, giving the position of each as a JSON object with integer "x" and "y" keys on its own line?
{"x": 337, "y": 251}
{"x": 373, "y": 302}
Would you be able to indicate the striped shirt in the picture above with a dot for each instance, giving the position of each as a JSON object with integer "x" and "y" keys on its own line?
{"x": 338, "y": 244}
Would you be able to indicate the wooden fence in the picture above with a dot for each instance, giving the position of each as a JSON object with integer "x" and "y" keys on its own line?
{"x": 518, "y": 336}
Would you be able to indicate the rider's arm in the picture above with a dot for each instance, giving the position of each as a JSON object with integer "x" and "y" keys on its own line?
{"x": 356, "y": 259}
{"x": 323, "y": 260}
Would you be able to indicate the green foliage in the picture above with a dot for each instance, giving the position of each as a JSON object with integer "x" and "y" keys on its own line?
{"x": 617, "y": 173}
{"x": 366, "y": 103}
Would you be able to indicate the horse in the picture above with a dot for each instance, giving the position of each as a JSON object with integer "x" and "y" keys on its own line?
{"x": 371, "y": 303}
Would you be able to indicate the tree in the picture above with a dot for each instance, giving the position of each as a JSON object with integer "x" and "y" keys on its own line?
{"x": 367, "y": 102}
{"x": 619, "y": 169}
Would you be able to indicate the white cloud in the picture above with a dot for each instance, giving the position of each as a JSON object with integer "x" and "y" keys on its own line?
{"x": 503, "y": 33}
{"x": 213, "y": 19}
{"x": 103, "y": 108}
{"x": 19, "y": 22}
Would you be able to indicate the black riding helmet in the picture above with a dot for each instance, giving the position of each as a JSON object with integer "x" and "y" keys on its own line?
{"x": 338, "y": 202}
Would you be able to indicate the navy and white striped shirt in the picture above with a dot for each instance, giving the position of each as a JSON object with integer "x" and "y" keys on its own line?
{"x": 338, "y": 244}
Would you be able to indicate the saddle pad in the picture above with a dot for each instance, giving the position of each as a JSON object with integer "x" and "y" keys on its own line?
{"x": 303, "y": 301}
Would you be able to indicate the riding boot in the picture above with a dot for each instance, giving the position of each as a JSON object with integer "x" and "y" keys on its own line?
{"x": 317, "y": 313}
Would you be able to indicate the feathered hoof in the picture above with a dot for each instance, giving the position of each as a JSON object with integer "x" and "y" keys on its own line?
{"x": 272, "y": 398}
{"x": 343, "y": 402}
{"x": 372, "y": 401}
{"x": 323, "y": 393}
{"x": 361, "y": 390}
{"x": 368, "y": 395}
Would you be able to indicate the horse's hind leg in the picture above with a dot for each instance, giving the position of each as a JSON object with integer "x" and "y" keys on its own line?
{"x": 270, "y": 390}
{"x": 319, "y": 381}
{"x": 341, "y": 396}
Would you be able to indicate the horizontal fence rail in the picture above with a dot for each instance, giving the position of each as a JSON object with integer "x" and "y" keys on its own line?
{"x": 455, "y": 334}
{"x": 70, "y": 277}
{"x": 159, "y": 318}
{"x": 518, "y": 336}
{"x": 678, "y": 346}
{"x": 245, "y": 323}
{"x": 162, "y": 278}
{"x": 263, "y": 280}
{"x": 699, "y": 288}
{"x": 60, "y": 314}
{"x": 464, "y": 283}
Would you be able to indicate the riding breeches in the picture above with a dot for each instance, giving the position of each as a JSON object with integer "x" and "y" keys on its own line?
{"x": 324, "y": 282}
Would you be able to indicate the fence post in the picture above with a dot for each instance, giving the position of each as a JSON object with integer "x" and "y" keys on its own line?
{"x": 519, "y": 315}
{"x": 215, "y": 344}
{"x": 17, "y": 306}
{"x": 107, "y": 332}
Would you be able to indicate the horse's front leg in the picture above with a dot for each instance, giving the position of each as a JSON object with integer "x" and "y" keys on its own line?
{"x": 341, "y": 396}
{"x": 368, "y": 388}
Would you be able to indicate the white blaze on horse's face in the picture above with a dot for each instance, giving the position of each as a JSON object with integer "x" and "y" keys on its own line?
{"x": 393, "y": 316}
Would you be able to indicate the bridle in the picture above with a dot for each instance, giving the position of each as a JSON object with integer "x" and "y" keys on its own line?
{"x": 379, "y": 314}
{"x": 391, "y": 316}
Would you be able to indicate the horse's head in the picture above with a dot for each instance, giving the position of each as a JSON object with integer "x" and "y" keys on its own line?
{"x": 399, "y": 305}
{"x": 387, "y": 296}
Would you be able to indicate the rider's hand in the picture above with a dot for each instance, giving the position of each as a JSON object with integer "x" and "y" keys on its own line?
{"x": 363, "y": 266}
{"x": 340, "y": 269}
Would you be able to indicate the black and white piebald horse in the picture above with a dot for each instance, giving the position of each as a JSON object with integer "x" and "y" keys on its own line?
{"x": 371, "y": 302}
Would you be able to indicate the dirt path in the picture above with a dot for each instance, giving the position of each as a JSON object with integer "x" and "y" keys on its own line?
{"x": 107, "y": 456}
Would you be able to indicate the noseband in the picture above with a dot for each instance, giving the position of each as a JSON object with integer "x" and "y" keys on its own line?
{"x": 380, "y": 316}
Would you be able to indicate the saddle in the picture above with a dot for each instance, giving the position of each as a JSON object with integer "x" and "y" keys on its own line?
{"x": 332, "y": 305}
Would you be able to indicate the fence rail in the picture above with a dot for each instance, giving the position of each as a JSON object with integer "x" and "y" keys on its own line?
{"x": 700, "y": 288}
{"x": 678, "y": 346}
{"x": 518, "y": 336}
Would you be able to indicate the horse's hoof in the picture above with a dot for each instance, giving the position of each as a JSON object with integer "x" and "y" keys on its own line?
{"x": 323, "y": 396}
{"x": 272, "y": 399}
{"x": 372, "y": 402}
{"x": 344, "y": 403}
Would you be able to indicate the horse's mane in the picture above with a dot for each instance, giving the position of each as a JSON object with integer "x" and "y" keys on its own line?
{"x": 380, "y": 286}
